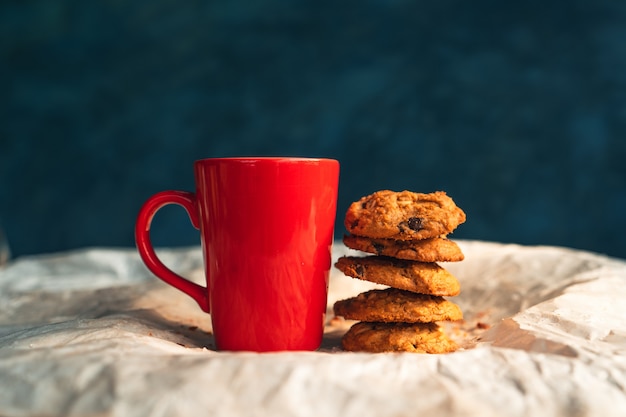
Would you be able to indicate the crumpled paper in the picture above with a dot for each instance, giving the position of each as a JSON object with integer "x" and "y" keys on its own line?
{"x": 93, "y": 333}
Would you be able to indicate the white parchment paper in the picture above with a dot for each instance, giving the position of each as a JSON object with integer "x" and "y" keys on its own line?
{"x": 93, "y": 333}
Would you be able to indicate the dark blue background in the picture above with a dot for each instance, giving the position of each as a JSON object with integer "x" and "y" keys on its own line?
{"x": 516, "y": 109}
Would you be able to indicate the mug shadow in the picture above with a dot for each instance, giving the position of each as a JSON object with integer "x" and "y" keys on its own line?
{"x": 191, "y": 336}
{"x": 188, "y": 335}
{"x": 172, "y": 316}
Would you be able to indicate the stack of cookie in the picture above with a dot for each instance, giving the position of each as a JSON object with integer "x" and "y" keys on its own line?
{"x": 406, "y": 232}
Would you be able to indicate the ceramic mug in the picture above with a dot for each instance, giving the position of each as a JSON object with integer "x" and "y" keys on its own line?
{"x": 266, "y": 228}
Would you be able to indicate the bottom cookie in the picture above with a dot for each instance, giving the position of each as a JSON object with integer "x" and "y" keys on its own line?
{"x": 397, "y": 337}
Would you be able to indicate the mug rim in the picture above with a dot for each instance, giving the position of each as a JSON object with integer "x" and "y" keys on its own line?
{"x": 267, "y": 159}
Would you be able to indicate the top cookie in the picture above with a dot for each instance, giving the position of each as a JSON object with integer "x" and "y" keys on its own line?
{"x": 403, "y": 215}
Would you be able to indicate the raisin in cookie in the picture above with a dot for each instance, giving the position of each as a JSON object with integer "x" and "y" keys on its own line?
{"x": 403, "y": 215}
{"x": 394, "y": 305}
{"x": 419, "y": 277}
{"x": 397, "y": 337}
{"x": 435, "y": 249}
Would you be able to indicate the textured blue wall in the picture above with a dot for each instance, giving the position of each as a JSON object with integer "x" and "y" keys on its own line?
{"x": 518, "y": 110}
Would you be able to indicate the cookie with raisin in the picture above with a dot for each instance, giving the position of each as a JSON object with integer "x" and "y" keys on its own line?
{"x": 419, "y": 277}
{"x": 398, "y": 306}
{"x": 403, "y": 215}
{"x": 434, "y": 249}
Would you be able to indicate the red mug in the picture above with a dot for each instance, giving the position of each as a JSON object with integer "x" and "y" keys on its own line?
{"x": 266, "y": 229}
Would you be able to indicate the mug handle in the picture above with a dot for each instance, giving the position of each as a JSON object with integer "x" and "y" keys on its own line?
{"x": 144, "y": 245}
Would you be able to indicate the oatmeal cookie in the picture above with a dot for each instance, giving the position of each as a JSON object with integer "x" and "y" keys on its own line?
{"x": 435, "y": 249}
{"x": 419, "y": 277}
{"x": 399, "y": 306}
{"x": 403, "y": 215}
{"x": 397, "y": 337}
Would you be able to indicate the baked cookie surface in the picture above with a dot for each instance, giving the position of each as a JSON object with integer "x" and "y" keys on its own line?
{"x": 419, "y": 277}
{"x": 435, "y": 249}
{"x": 394, "y": 305}
{"x": 397, "y": 337}
{"x": 403, "y": 215}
